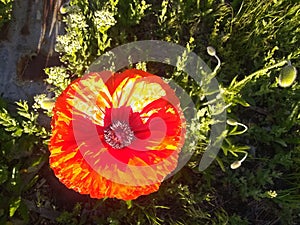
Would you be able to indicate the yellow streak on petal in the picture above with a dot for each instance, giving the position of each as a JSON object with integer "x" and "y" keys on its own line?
{"x": 55, "y": 151}
{"x": 137, "y": 93}
{"x": 145, "y": 116}
{"x": 64, "y": 159}
{"x": 136, "y": 161}
{"x": 167, "y": 144}
{"x": 91, "y": 99}
{"x": 171, "y": 147}
{"x": 170, "y": 110}
{"x": 62, "y": 117}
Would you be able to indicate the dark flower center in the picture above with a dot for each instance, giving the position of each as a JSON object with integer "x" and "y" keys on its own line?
{"x": 118, "y": 135}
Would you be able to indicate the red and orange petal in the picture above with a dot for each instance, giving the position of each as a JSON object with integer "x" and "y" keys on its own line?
{"x": 87, "y": 103}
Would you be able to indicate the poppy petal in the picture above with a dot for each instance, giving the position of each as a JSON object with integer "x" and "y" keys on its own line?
{"x": 85, "y": 161}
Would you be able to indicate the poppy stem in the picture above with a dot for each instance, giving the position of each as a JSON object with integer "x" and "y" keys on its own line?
{"x": 218, "y": 66}
{"x": 239, "y": 85}
{"x": 243, "y": 159}
{"x": 232, "y": 122}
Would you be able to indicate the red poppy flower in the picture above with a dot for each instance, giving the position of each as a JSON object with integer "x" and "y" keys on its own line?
{"x": 116, "y": 135}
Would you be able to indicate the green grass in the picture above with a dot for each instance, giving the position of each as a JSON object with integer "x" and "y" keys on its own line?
{"x": 254, "y": 40}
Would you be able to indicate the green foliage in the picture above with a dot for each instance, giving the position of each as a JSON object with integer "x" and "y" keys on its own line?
{"x": 131, "y": 12}
{"x": 58, "y": 78}
{"x": 20, "y": 164}
{"x": 254, "y": 34}
{"x": 27, "y": 125}
{"x": 86, "y": 37}
{"x": 5, "y": 11}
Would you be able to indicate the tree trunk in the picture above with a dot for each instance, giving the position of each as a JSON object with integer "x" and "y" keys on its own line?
{"x": 28, "y": 48}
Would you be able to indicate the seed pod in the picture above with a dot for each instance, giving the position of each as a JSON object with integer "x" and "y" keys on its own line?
{"x": 287, "y": 76}
{"x": 232, "y": 122}
{"x": 64, "y": 8}
{"x": 211, "y": 51}
{"x": 47, "y": 104}
{"x": 235, "y": 165}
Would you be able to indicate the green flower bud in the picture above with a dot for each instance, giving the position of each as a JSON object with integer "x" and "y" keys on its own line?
{"x": 47, "y": 104}
{"x": 235, "y": 165}
{"x": 64, "y": 8}
{"x": 211, "y": 51}
{"x": 232, "y": 122}
{"x": 287, "y": 76}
